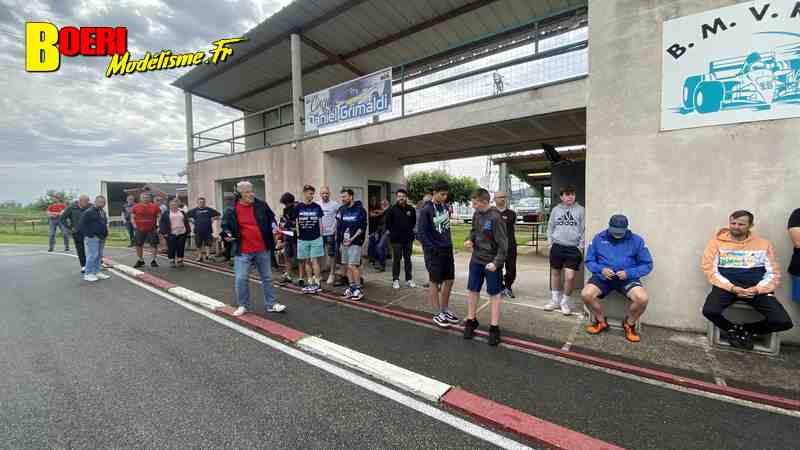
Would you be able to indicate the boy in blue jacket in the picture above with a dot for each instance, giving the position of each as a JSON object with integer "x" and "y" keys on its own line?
{"x": 618, "y": 259}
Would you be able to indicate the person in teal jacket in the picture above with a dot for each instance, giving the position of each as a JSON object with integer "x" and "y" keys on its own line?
{"x": 618, "y": 259}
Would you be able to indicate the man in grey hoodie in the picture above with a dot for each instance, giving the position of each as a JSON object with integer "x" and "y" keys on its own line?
{"x": 488, "y": 240}
{"x": 566, "y": 234}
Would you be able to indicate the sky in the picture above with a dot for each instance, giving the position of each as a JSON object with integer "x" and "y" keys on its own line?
{"x": 69, "y": 129}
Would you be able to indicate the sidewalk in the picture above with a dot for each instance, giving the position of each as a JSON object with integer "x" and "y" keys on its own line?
{"x": 597, "y": 403}
{"x": 681, "y": 353}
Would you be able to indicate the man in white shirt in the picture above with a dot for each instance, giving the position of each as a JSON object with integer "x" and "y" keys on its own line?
{"x": 329, "y": 210}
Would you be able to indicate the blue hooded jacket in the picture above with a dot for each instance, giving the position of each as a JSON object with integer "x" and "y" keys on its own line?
{"x": 433, "y": 227}
{"x": 629, "y": 254}
{"x": 352, "y": 218}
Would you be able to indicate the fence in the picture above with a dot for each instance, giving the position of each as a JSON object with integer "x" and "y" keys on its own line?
{"x": 40, "y": 226}
{"x": 545, "y": 51}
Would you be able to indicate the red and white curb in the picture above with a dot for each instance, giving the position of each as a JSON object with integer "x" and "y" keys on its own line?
{"x": 540, "y": 431}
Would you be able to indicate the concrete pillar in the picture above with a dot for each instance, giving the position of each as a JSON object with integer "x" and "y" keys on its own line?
{"x": 187, "y": 97}
{"x": 297, "y": 87}
{"x": 504, "y": 184}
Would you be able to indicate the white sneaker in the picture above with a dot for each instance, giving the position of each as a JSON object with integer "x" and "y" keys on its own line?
{"x": 411, "y": 284}
{"x": 396, "y": 284}
{"x": 565, "y": 309}
{"x": 240, "y": 311}
{"x": 90, "y": 277}
{"x": 552, "y": 306}
{"x": 102, "y": 276}
{"x": 276, "y": 308}
{"x": 330, "y": 279}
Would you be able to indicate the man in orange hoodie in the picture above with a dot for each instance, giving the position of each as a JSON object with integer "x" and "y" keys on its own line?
{"x": 741, "y": 267}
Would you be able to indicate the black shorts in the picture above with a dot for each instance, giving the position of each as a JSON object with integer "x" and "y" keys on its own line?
{"x": 141, "y": 237}
{"x": 203, "y": 239}
{"x": 562, "y": 256}
{"x": 441, "y": 265}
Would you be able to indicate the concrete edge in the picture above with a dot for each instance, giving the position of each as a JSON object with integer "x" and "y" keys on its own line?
{"x": 666, "y": 377}
{"x": 194, "y": 297}
{"x": 269, "y": 327}
{"x": 155, "y": 281}
{"x": 420, "y": 385}
{"x": 128, "y": 270}
{"x": 542, "y": 432}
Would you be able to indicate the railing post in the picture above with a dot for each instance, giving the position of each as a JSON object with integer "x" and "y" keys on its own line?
{"x": 233, "y": 133}
{"x": 403, "y": 90}
{"x": 536, "y": 39}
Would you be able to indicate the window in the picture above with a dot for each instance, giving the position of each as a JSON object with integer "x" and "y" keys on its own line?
{"x": 287, "y": 114}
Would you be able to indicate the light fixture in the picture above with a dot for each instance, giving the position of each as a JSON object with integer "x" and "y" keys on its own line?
{"x": 539, "y": 174}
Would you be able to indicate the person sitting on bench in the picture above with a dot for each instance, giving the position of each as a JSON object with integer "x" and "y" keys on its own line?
{"x": 741, "y": 266}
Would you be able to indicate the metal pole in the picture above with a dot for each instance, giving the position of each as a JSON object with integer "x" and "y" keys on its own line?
{"x": 403, "y": 90}
{"x": 297, "y": 86}
{"x": 187, "y": 99}
{"x": 233, "y": 134}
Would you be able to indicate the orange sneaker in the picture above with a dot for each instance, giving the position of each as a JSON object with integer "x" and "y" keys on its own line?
{"x": 597, "y": 327}
{"x": 630, "y": 331}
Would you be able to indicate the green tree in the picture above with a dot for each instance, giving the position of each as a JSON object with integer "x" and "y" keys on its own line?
{"x": 53, "y": 196}
{"x": 421, "y": 183}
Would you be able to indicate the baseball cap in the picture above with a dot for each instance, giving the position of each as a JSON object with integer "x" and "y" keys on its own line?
{"x": 618, "y": 225}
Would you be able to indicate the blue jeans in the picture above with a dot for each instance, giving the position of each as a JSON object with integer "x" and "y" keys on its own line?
{"x": 55, "y": 225}
{"x": 242, "y": 266}
{"x": 377, "y": 247}
{"x": 94, "y": 254}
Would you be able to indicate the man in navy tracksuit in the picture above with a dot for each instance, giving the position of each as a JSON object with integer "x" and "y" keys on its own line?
{"x": 351, "y": 228}
{"x": 618, "y": 259}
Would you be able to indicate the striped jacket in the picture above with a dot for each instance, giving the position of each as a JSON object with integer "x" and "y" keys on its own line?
{"x": 751, "y": 262}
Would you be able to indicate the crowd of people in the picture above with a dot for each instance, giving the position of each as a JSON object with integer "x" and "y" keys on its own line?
{"x": 739, "y": 265}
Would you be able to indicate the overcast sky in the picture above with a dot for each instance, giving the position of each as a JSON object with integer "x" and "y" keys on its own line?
{"x": 72, "y": 128}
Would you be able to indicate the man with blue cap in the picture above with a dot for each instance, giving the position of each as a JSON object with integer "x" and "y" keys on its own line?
{"x": 618, "y": 259}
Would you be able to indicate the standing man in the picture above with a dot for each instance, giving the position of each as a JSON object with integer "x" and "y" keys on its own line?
{"x": 618, "y": 259}
{"x": 378, "y": 236}
{"x": 249, "y": 225}
{"x": 510, "y": 267}
{"x": 93, "y": 226}
{"x": 351, "y": 228}
{"x": 203, "y": 219}
{"x": 741, "y": 266}
{"x": 70, "y": 219}
{"x": 329, "y": 210}
{"x": 794, "y": 266}
{"x": 401, "y": 219}
{"x": 127, "y": 218}
{"x": 289, "y": 224}
{"x": 566, "y": 235}
{"x": 434, "y": 233}
{"x": 489, "y": 244}
{"x": 310, "y": 247}
{"x": 54, "y": 220}
{"x": 145, "y": 220}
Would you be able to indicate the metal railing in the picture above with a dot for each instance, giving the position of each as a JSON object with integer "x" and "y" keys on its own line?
{"x": 546, "y": 51}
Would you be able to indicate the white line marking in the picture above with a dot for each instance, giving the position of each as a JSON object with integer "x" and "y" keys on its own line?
{"x": 194, "y": 297}
{"x": 420, "y": 385}
{"x": 403, "y": 399}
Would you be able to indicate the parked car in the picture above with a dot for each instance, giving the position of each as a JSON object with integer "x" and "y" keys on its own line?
{"x": 528, "y": 209}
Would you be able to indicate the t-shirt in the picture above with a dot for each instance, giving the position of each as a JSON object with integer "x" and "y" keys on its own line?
{"x": 146, "y": 216}
{"x": 54, "y": 210}
{"x": 329, "y": 210}
{"x": 177, "y": 227}
{"x": 794, "y": 222}
{"x": 250, "y": 238}
{"x": 203, "y": 218}
{"x": 309, "y": 217}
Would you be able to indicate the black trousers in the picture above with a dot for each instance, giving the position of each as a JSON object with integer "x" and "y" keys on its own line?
{"x": 175, "y": 246}
{"x": 510, "y": 267}
{"x": 401, "y": 249}
{"x": 226, "y": 250}
{"x": 775, "y": 317}
{"x": 78, "y": 239}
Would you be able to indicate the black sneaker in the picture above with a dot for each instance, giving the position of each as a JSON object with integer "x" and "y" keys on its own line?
{"x": 470, "y": 325}
{"x": 153, "y": 263}
{"x": 440, "y": 320}
{"x": 494, "y": 335}
{"x": 746, "y": 339}
{"x": 138, "y": 264}
{"x": 450, "y": 317}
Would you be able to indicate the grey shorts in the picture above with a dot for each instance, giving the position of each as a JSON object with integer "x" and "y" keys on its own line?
{"x": 351, "y": 255}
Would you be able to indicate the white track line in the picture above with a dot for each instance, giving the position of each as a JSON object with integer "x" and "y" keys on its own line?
{"x": 403, "y": 399}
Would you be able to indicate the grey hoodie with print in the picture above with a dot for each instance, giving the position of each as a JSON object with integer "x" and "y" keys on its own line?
{"x": 567, "y": 226}
{"x": 489, "y": 237}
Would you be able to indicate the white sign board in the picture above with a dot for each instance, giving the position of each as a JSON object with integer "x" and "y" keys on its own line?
{"x": 355, "y": 99}
{"x": 730, "y": 65}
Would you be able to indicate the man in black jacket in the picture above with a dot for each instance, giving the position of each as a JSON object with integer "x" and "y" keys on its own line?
{"x": 93, "y": 228}
{"x": 249, "y": 225}
{"x": 401, "y": 219}
{"x": 510, "y": 266}
{"x": 70, "y": 219}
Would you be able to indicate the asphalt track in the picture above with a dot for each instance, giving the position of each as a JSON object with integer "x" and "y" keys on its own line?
{"x": 111, "y": 365}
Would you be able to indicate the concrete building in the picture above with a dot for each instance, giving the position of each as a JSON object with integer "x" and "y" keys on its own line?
{"x": 500, "y": 76}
